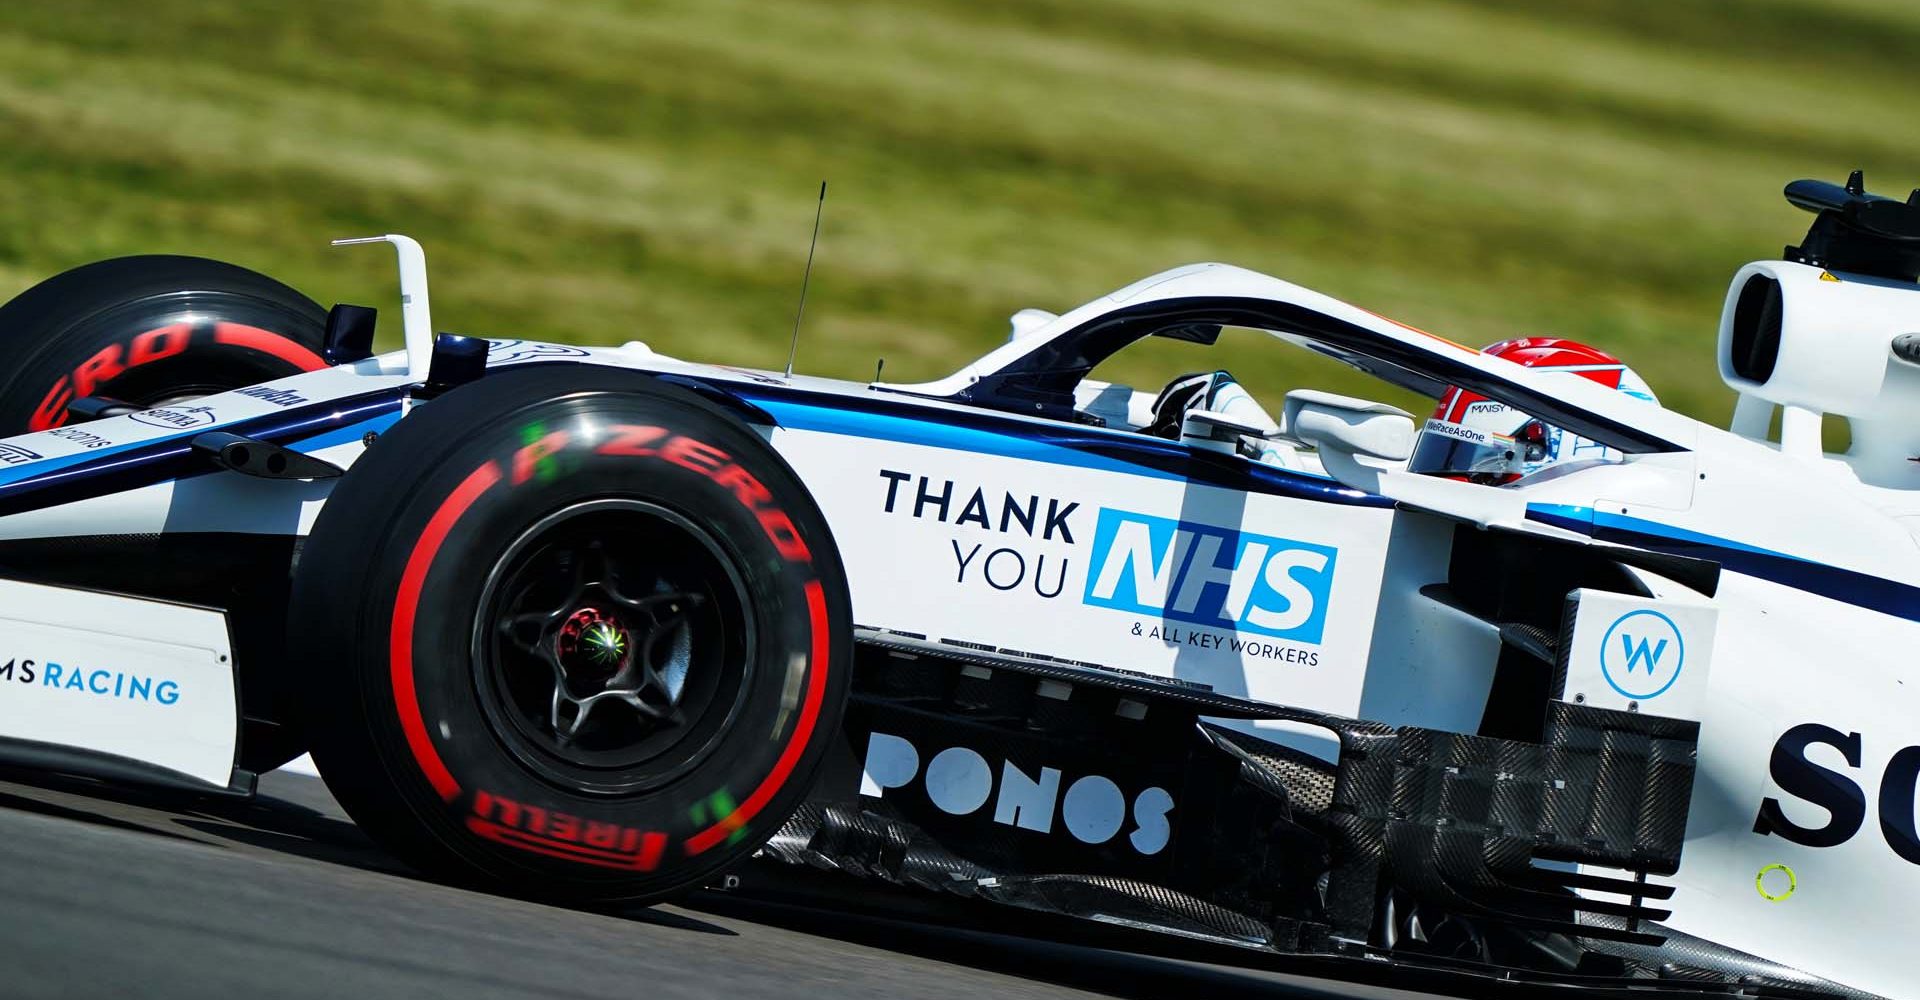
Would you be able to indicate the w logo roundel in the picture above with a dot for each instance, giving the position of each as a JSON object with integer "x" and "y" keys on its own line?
{"x": 1642, "y": 653}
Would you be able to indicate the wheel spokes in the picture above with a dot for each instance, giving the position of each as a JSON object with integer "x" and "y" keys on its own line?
{"x": 643, "y": 632}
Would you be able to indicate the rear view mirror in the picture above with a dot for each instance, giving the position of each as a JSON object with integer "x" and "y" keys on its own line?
{"x": 1349, "y": 426}
{"x": 1212, "y": 425}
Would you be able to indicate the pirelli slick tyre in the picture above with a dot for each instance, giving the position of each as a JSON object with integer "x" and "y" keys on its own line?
{"x": 573, "y": 633}
{"x": 148, "y": 331}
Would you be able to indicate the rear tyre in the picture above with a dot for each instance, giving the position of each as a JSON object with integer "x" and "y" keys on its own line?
{"x": 573, "y": 633}
{"x": 148, "y": 331}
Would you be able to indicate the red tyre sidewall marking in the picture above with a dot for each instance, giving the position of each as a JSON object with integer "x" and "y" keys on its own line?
{"x": 796, "y": 744}
{"x": 406, "y": 604}
{"x": 563, "y": 835}
{"x": 267, "y": 342}
{"x": 158, "y": 344}
{"x": 52, "y": 411}
{"x": 716, "y": 465}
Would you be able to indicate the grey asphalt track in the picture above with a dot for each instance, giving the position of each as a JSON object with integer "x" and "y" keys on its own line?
{"x": 107, "y": 893}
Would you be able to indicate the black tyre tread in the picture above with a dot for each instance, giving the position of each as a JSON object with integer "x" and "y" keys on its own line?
{"x": 78, "y": 294}
{"x": 49, "y": 329}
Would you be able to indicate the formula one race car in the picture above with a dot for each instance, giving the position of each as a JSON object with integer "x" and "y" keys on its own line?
{"x": 594, "y": 623}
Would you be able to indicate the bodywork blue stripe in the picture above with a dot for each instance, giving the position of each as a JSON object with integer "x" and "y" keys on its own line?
{"x": 1064, "y": 444}
{"x": 348, "y": 434}
{"x": 1862, "y": 590}
{"x": 95, "y": 457}
{"x": 118, "y": 468}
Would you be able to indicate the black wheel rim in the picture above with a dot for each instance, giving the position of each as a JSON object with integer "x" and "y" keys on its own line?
{"x": 613, "y": 646}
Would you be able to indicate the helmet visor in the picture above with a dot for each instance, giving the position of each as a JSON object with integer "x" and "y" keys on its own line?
{"x": 1475, "y": 455}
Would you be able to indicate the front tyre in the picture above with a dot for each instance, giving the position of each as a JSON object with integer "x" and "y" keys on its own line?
{"x": 149, "y": 331}
{"x": 572, "y": 633}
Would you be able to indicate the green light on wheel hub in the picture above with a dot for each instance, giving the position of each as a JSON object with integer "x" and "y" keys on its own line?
{"x": 604, "y": 642}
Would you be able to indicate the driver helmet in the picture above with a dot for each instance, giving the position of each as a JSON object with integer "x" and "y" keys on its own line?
{"x": 1481, "y": 440}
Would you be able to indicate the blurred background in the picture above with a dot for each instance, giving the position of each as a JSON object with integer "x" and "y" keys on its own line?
{"x": 606, "y": 170}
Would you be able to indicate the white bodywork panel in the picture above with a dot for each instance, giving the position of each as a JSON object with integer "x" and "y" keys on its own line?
{"x": 1260, "y": 596}
{"x": 1634, "y": 654}
{"x": 1784, "y": 659}
{"x": 139, "y": 679}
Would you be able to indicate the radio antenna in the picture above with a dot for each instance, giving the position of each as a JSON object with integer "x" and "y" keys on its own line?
{"x": 794, "y": 348}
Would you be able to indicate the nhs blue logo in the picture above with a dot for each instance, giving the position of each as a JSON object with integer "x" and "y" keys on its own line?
{"x": 1210, "y": 576}
{"x": 1642, "y": 653}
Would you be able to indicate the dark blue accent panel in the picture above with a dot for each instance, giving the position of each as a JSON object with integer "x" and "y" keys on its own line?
{"x": 350, "y": 433}
{"x": 1582, "y": 525}
{"x": 145, "y": 463}
{"x": 887, "y": 418}
{"x": 1862, "y": 590}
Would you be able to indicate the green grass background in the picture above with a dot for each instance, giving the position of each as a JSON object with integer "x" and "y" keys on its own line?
{"x": 605, "y": 170}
